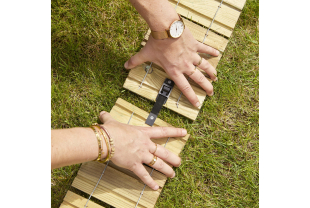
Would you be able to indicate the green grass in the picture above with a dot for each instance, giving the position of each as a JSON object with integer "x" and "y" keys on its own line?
{"x": 91, "y": 40}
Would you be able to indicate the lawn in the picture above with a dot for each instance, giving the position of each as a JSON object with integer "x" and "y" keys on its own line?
{"x": 91, "y": 41}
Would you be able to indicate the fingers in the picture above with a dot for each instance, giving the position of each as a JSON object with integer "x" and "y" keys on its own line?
{"x": 206, "y": 66}
{"x": 165, "y": 154}
{"x": 202, "y": 48}
{"x": 142, "y": 173}
{"x": 160, "y": 165}
{"x": 105, "y": 117}
{"x": 200, "y": 79}
{"x": 160, "y": 132}
{"x": 135, "y": 60}
{"x": 186, "y": 89}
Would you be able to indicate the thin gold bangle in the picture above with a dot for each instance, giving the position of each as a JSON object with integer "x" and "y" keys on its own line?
{"x": 101, "y": 136}
{"x": 107, "y": 144}
{"x": 111, "y": 141}
{"x": 99, "y": 142}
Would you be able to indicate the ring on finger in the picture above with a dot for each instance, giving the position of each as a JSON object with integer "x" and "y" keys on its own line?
{"x": 192, "y": 72}
{"x": 153, "y": 160}
{"x": 199, "y": 61}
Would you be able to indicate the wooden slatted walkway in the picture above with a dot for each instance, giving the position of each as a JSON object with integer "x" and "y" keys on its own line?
{"x": 120, "y": 187}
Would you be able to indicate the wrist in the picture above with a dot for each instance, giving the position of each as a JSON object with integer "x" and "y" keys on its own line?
{"x": 158, "y": 14}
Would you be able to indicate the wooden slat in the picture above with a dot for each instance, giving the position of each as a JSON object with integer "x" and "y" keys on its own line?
{"x": 74, "y": 200}
{"x": 66, "y": 205}
{"x": 226, "y": 15}
{"x": 115, "y": 183}
{"x": 152, "y": 84}
{"x": 213, "y": 40}
{"x": 201, "y": 19}
{"x": 239, "y": 4}
{"x": 120, "y": 187}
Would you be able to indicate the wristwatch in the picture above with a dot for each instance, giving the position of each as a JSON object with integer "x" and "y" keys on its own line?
{"x": 176, "y": 29}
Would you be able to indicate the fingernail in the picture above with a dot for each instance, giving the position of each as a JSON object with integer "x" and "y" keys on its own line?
{"x": 215, "y": 79}
{"x": 126, "y": 65}
{"x": 102, "y": 112}
{"x": 173, "y": 175}
{"x": 197, "y": 104}
{"x": 211, "y": 94}
{"x": 218, "y": 53}
{"x": 156, "y": 187}
{"x": 184, "y": 132}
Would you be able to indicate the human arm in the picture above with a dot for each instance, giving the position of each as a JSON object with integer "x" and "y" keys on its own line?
{"x": 176, "y": 56}
{"x": 133, "y": 147}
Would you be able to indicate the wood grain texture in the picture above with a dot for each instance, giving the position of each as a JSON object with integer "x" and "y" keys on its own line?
{"x": 213, "y": 40}
{"x": 74, "y": 200}
{"x": 239, "y": 4}
{"x": 115, "y": 188}
{"x": 120, "y": 187}
{"x": 202, "y": 19}
{"x": 226, "y": 15}
{"x": 152, "y": 85}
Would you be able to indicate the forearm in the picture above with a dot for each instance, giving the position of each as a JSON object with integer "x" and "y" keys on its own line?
{"x": 158, "y": 14}
{"x": 75, "y": 145}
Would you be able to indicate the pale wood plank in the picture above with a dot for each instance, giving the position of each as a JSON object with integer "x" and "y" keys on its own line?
{"x": 152, "y": 85}
{"x": 226, "y": 15}
{"x": 213, "y": 40}
{"x": 74, "y": 200}
{"x": 239, "y": 4}
{"x": 102, "y": 193}
{"x": 115, "y": 187}
{"x": 66, "y": 205}
{"x": 201, "y": 19}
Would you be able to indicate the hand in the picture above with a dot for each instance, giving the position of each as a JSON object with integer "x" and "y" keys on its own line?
{"x": 177, "y": 57}
{"x": 134, "y": 147}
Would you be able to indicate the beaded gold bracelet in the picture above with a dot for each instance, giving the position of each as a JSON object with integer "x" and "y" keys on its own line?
{"x": 111, "y": 141}
{"x": 107, "y": 143}
{"x": 99, "y": 142}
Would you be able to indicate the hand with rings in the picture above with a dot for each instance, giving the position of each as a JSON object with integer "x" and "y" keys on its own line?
{"x": 133, "y": 147}
{"x": 178, "y": 57}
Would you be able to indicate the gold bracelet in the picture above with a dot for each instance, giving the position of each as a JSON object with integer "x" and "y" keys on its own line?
{"x": 99, "y": 142}
{"x": 107, "y": 143}
{"x": 111, "y": 141}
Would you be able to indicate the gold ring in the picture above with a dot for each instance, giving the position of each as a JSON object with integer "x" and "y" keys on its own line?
{"x": 192, "y": 72}
{"x": 153, "y": 161}
{"x": 155, "y": 148}
{"x": 199, "y": 61}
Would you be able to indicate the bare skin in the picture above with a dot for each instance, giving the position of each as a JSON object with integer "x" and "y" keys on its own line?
{"x": 133, "y": 147}
{"x": 176, "y": 56}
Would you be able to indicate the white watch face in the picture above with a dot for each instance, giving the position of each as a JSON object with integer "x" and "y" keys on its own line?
{"x": 176, "y": 29}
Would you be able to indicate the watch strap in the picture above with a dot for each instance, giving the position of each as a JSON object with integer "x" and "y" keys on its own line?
{"x": 161, "y": 99}
{"x": 159, "y": 35}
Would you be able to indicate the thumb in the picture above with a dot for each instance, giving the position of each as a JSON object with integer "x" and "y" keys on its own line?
{"x": 105, "y": 117}
{"x": 135, "y": 60}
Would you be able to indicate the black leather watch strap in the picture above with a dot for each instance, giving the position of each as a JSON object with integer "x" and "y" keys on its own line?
{"x": 161, "y": 99}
